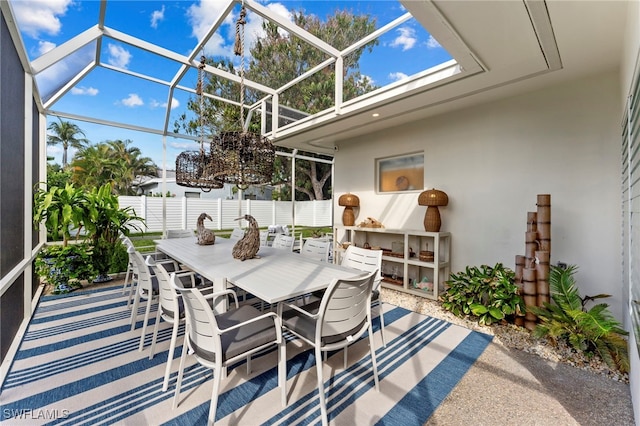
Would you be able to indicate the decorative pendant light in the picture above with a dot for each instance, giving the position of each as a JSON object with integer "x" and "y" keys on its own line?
{"x": 197, "y": 169}
{"x": 242, "y": 158}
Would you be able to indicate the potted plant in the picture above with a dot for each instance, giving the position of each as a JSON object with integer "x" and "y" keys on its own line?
{"x": 105, "y": 222}
{"x": 64, "y": 266}
{"x": 62, "y": 209}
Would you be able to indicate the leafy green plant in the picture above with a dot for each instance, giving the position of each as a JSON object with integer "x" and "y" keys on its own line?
{"x": 61, "y": 208}
{"x": 64, "y": 266}
{"x": 487, "y": 292}
{"x": 119, "y": 259}
{"x": 105, "y": 221}
{"x": 589, "y": 331}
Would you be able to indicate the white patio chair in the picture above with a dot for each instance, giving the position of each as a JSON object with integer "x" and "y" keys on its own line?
{"x": 336, "y": 321}
{"x": 236, "y": 234}
{"x": 317, "y": 249}
{"x": 264, "y": 238}
{"x": 368, "y": 260}
{"x": 179, "y": 233}
{"x": 219, "y": 340}
{"x": 146, "y": 289}
{"x": 129, "y": 275}
{"x": 284, "y": 242}
{"x": 170, "y": 309}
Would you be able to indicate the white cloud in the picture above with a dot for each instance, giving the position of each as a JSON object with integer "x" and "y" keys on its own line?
{"x": 406, "y": 39}
{"x": 157, "y": 16}
{"x": 184, "y": 145}
{"x": 118, "y": 56}
{"x": 40, "y": 16}
{"x": 203, "y": 14}
{"x": 45, "y": 46}
{"x": 156, "y": 104}
{"x": 132, "y": 101}
{"x": 397, "y": 76}
{"x": 90, "y": 91}
{"x": 201, "y": 17}
{"x": 432, "y": 43}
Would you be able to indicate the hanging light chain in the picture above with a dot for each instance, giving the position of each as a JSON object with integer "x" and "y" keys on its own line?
{"x": 199, "y": 92}
{"x": 239, "y": 51}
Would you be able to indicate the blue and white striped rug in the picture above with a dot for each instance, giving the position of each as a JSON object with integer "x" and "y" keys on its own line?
{"x": 79, "y": 364}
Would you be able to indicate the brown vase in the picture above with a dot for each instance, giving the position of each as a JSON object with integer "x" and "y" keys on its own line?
{"x": 432, "y": 220}
{"x": 348, "y": 217}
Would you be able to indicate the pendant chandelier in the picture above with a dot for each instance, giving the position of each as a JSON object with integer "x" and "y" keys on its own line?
{"x": 197, "y": 169}
{"x": 241, "y": 157}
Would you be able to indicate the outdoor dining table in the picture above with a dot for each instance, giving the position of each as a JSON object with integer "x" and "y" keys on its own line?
{"x": 274, "y": 276}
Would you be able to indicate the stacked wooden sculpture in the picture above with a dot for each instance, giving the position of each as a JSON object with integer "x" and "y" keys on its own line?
{"x": 205, "y": 237}
{"x": 532, "y": 269}
{"x": 248, "y": 246}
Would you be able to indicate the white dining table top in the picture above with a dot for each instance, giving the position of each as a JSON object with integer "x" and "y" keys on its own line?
{"x": 275, "y": 276}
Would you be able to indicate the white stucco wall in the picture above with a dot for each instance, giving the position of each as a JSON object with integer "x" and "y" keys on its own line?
{"x": 493, "y": 160}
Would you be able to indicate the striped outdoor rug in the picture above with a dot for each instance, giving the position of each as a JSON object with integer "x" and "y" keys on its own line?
{"x": 79, "y": 364}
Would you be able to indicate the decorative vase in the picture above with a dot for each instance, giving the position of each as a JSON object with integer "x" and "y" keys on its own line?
{"x": 349, "y": 201}
{"x": 432, "y": 198}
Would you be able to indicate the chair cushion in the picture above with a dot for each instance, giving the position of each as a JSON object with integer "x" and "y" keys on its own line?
{"x": 243, "y": 339}
{"x": 306, "y": 326}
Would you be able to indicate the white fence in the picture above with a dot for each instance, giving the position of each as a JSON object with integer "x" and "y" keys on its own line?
{"x": 182, "y": 213}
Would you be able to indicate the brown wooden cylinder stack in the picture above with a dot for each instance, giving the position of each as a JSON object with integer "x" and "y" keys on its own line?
{"x": 543, "y": 223}
{"x": 530, "y": 247}
{"x": 542, "y": 277}
{"x": 520, "y": 262}
{"x": 532, "y": 269}
{"x": 530, "y": 296}
{"x": 532, "y": 220}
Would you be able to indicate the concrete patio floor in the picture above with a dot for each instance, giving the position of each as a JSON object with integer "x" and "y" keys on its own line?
{"x": 508, "y": 386}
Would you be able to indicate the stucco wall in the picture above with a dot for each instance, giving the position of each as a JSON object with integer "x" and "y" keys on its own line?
{"x": 493, "y": 160}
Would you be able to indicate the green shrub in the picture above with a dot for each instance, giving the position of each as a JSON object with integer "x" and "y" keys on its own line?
{"x": 119, "y": 259}
{"x": 588, "y": 331}
{"x": 64, "y": 266}
{"x": 485, "y": 292}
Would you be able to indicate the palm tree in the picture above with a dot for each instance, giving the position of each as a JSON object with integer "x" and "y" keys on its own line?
{"x": 65, "y": 133}
{"x": 111, "y": 162}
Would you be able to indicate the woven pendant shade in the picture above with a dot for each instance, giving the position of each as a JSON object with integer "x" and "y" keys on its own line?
{"x": 242, "y": 158}
{"x": 195, "y": 169}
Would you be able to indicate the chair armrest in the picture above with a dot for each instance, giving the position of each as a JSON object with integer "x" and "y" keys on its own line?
{"x": 184, "y": 273}
{"x": 295, "y": 308}
{"x": 217, "y": 294}
{"x": 276, "y": 320}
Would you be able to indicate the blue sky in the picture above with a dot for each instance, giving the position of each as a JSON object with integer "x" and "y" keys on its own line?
{"x": 177, "y": 26}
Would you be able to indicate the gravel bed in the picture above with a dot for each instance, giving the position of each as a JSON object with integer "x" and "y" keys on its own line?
{"x": 507, "y": 335}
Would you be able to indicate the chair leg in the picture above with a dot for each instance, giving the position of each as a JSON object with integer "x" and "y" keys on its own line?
{"x": 144, "y": 323}
{"x": 248, "y": 365}
{"x": 134, "y": 311}
{"x": 126, "y": 280}
{"x": 381, "y": 316}
{"x": 323, "y": 404}
{"x": 372, "y": 350}
{"x": 346, "y": 356}
{"x": 214, "y": 395}
{"x": 282, "y": 371}
{"x": 155, "y": 333}
{"x": 183, "y": 357}
{"x": 172, "y": 348}
{"x": 132, "y": 288}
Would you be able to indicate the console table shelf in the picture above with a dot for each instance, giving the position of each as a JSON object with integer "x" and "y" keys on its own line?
{"x": 402, "y": 267}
